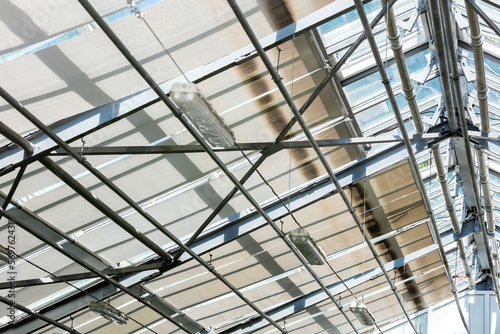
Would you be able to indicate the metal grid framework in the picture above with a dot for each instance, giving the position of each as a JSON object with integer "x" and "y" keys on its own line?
{"x": 373, "y": 125}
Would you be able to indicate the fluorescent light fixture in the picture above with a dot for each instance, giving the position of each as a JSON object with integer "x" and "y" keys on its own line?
{"x": 109, "y": 312}
{"x": 362, "y": 313}
{"x": 307, "y": 247}
{"x": 202, "y": 115}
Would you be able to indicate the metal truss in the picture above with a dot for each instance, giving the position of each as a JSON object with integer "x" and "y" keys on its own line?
{"x": 87, "y": 123}
{"x": 315, "y": 297}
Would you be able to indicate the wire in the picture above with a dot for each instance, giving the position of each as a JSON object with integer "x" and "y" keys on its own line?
{"x": 77, "y": 288}
{"x": 135, "y": 10}
{"x": 342, "y": 281}
{"x": 386, "y": 38}
{"x": 291, "y": 129}
{"x": 270, "y": 187}
{"x": 364, "y": 228}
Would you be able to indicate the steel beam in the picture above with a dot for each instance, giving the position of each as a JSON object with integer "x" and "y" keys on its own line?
{"x": 315, "y": 297}
{"x": 52, "y": 233}
{"x": 332, "y": 72}
{"x": 407, "y": 85}
{"x": 451, "y": 53}
{"x": 41, "y": 317}
{"x": 182, "y": 118}
{"x": 277, "y": 80}
{"x": 101, "y": 206}
{"x": 85, "y": 123}
{"x": 271, "y": 146}
{"x": 484, "y": 16}
{"x": 476, "y": 37}
{"x": 302, "y": 198}
{"x": 412, "y": 158}
{"x": 122, "y": 285}
{"x": 160, "y": 266}
{"x": 234, "y": 229}
{"x": 442, "y": 65}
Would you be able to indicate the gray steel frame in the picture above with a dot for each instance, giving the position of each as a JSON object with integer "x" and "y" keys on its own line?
{"x": 315, "y": 297}
{"x": 413, "y": 162}
{"x": 252, "y": 148}
{"x": 452, "y": 56}
{"x": 298, "y": 117}
{"x": 85, "y": 123}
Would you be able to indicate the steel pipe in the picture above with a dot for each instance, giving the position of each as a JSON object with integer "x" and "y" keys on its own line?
{"x": 16, "y": 138}
{"x": 63, "y": 236}
{"x": 77, "y": 186}
{"x": 105, "y": 209}
{"x": 333, "y": 71}
{"x": 476, "y": 38}
{"x": 450, "y": 49}
{"x": 14, "y": 186}
{"x": 465, "y": 264}
{"x": 442, "y": 174}
{"x": 47, "y": 162}
{"x": 407, "y": 85}
{"x": 411, "y": 155}
{"x": 99, "y": 20}
{"x": 485, "y": 17}
{"x": 442, "y": 65}
{"x": 270, "y": 68}
{"x": 26, "y": 310}
{"x": 82, "y": 263}
{"x": 93, "y": 268}
{"x": 484, "y": 178}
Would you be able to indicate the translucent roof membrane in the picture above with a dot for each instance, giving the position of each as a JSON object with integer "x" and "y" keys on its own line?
{"x": 143, "y": 186}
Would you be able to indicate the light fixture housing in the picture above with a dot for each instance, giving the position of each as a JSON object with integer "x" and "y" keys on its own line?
{"x": 202, "y": 115}
{"x": 109, "y": 312}
{"x": 307, "y": 247}
{"x": 362, "y": 313}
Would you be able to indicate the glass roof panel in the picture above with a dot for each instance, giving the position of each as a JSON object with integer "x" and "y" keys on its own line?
{"x": 72, "y": 74}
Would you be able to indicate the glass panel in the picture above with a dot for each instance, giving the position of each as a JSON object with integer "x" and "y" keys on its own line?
{"x": 356, "y": 92}
{"x": 346, "y": 25}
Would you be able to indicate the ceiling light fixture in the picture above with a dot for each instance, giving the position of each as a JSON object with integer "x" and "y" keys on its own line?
{"x": 202, "y": 115}
{"x": 362, "y": 313}
{"x": 307, "y": 247}
{"x": 109, "y": 312}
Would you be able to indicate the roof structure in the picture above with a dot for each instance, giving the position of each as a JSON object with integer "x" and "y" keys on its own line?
{"x": 371, "y": 125}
